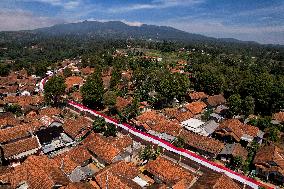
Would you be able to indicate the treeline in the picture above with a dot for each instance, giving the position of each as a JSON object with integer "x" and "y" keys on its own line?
{"x": 258, "y": 81}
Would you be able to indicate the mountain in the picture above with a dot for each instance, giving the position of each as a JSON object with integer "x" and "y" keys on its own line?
{"x": 116, "y": 30}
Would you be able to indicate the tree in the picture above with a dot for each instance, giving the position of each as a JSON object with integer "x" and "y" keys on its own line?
{"x": 236, "y": 163}
{"x": 248, "y": 105}
{"x": 99, "y": 125}
{"x": 149, "y": 153}
{"x": 235, "y": 105}
{"x": 110, "y": 130}
{"x": 115, "y": 78}
{"x": 14, "y": 108}
{"x": 67, "y": 72}
{"x": 109, "y": 98}
{"x": 209, "y": 82}
{"x": 92, "y": 91}
{"x": 273, "y": 134}
{"x": 179, "y": 142}
{"x": 54, "y": 88}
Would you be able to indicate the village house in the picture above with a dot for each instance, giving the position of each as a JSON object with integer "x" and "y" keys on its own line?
{"x": 196, "y": 96}
{"x": 77, "y": 128}
{"x": 214, "y": 181}
{"x": 233, "y": 150}
{"x": 17, "y": 151}
{"x": 119, "y": 175}
{"x": 122, "y": 103}
{"x": 75, "y": 163}
{"x": 278, "y": 117}
{"x": 216, "y": 100}
{"x": 232, "y": 130}
{"x": 74, "y": 82}
{"x": 180, "y": 114}
{"x": 269, "y": 163}
{"x": 36, "y": 172}
{"x": 109, "y": 150}
{"x": 164, "y": 171}
{"x": 200, "y": 127}
{"x": 206, "y": 146}
{"x": 157, "y": 125}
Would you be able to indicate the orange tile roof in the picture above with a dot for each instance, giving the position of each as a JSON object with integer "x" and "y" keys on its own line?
{"x": 270, "y": 153}
{"x": 159, "y": 123}
{"x": 49, "y": 111}
{"x": 122, "y": 103}
{"x": 216, "y": 100}
{"x": 24, "y": 100}
{"x": 181, "y": 114}
{"x": 20, "y": 146}
{"x": 73, "y": 80}
{"x": 77, "y": 96}
{"x": 196, "y": 107}
{"x": 87, "y": 70}
{"x": 279, "y": 116}
{"x": 38, "y": 172}
{"x": 214, "y": 180}
{"x": 14, "y": 133}
{"x": 201, "y": 142}
{"x": 236, "y": 129}
{"x": 107, "y": 148}
{"x": 8, "y": 119}
{"x": 80, "y": 185}
{"x": 168, "y": 171}
{"x": 112, "y": 181}
{"x": 198, "y": 95}
{"x": 74, "y": 127}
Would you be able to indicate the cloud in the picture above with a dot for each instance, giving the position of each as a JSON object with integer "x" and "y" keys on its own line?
{"x": 216, "y": 28}
{"x": 66, "y": 4}
{"x": 11, "y": 20}
{"x": 155, "y": 4}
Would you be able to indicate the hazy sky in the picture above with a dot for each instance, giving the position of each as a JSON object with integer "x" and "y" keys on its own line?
{"x": 254, "y": 20}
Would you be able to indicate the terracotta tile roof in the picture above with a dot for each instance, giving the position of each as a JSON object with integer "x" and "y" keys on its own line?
{"x": 8, "y": 119}
{"x": 69, "y": 160}
{"x": 119, "y": 175}
{"x": 126, "y": 169}
{"x": 159, "y": 123}
{"x": 65, "y": 163}
{"x": 14, "y": 133}
{"x": 73, "y": 80}
{"x": 79, "y": 185}
{"x": 76, "y": 96}
{"x": 168, "y": 171}
{"x": 9, "y": 89}
{"x": 270, "y": 153}
{"x": 20, "y": 146}
{"x": 279, "y": 116}
{"x": 236, "y": 129}
{"x": 24, "y": 100}
{"x": 38, "y": 172}
{"x": 202, "y": 143}
{"x": 112, "y": 181}
{"x": 105, "y": 148}
{"x": 182, "y": 184}
{"x": 198, "y": 95}
{"x": 50, "y": 111}
{"x": 216, "y": 100}
{"x": 87, "y": 70}
{"x": 196, "y": 107}
{"x": 214, "y": 180}
{"x": 122, "y": 103}
{"x": 74, "y": 127}
{"x": 181, "y": 114}
{"x": 240, "y": 151}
